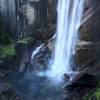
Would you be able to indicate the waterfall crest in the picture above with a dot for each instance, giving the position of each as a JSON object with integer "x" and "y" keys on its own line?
{"x": 68, "y": 23}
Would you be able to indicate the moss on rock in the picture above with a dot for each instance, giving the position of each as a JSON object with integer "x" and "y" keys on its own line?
{"x": 25, "y": 40}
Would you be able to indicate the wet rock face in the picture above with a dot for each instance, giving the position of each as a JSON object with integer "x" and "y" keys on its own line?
{"x": 87, "y": 56}
{"x": 41, "y": 59}
{"x": 52, "y": 11}
{"x": 90, "y": 29}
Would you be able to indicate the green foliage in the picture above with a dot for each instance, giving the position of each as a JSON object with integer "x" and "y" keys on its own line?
{"x": 25, "y": 40}
{"x": 88, "y": 96}
{"x": 97, "y": 93}
{"x": 7, "y": 50}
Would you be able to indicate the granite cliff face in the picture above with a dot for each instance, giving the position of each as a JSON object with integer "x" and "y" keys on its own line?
{"x": 89, "y": 49}
{"x": 90, "y": 29}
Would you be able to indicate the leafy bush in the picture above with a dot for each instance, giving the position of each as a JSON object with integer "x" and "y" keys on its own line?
{"x": 7, "y": 50}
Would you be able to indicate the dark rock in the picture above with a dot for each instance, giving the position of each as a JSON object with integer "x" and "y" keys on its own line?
{"x": 28, "y": 67}
{"x": 4, "y": 87}
{"x": 23, "y": 54}
{"x": 9, "y": 93}
{"x": 93, "y": 98}
{"x": 41, "y": 59}
{"x": 86, "y": 54}
{"x": 85, "y": 81}
{"x": 90, "y": 29}
{"x": 82, "y": 79}
{"x": 80, "y": 87}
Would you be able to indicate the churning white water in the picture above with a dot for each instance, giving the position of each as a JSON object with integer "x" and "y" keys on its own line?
{"x": 68, "y": 23}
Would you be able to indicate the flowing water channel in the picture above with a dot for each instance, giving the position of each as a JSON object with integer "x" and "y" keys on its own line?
{"x": 68, "y": 23}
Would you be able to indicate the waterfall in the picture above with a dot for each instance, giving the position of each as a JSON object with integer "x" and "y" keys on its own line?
{"x": 68, "y": 23}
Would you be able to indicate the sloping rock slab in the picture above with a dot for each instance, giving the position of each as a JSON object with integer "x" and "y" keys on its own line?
{"x": 85, "y": 81}
{"x": 76, "y": 89}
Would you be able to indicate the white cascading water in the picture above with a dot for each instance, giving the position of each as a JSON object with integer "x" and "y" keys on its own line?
{"x": 68, "y": 23}
{"x": 36, "y": 51}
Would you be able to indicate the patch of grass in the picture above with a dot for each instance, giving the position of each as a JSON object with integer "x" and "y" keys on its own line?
{"x": 25, "y": 40}
{"x": 7, "y": 50}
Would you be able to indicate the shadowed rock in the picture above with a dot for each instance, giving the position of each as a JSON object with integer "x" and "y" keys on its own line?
{"x": 4, "y": 87}
{"x": 82, "y": 79}
{"x": 79, "y": 86}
